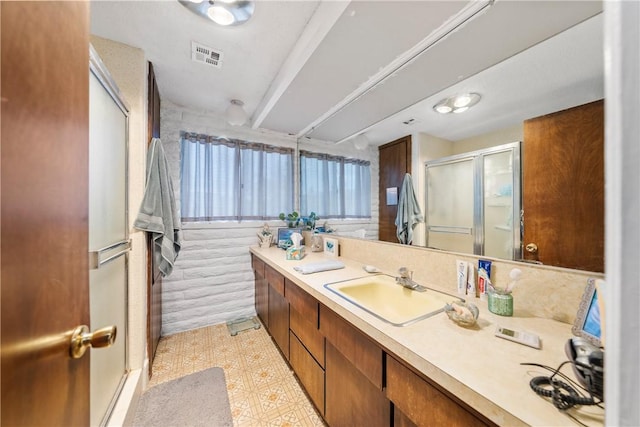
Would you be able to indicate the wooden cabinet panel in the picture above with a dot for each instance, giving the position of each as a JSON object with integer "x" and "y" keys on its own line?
{"x": 353, "y": 344}
{"x": 423, "y": 403}
{"x": 302, "y": 302}
{"x": 351, "y": 399}
{"x": 279, "y": 320}
{"x": 308, "y": 334}
{"x": 257, "y": 264}
{"x": 261, "y": 290}
{"x": 311, "y": 374}
{"x": 275, "y": 279}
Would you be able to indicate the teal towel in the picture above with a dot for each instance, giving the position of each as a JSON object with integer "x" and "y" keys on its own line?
{"x": 158, "y": 214}
{"x": 409, "y": 214}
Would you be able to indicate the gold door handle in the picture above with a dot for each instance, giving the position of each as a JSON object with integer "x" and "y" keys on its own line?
{"x": 532, "y": 248}
{"x": 82, "y": 339}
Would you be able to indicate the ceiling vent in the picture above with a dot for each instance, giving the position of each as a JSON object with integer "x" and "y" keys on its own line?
{"x": 206, "y": 55}
{"x": 410, "y": 122}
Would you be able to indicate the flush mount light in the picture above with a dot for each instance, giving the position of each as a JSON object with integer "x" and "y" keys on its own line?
{"x": 361, "y": 141}
{"x": 222, "y": 12}
{"x": 235, "y": 114}
{"x": 457, "y": 104}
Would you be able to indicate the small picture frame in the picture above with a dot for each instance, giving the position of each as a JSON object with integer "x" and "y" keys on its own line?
{"x": 589, "y": 323}
{"x": 331, "y": 246}
{"x": 284, "y": 236}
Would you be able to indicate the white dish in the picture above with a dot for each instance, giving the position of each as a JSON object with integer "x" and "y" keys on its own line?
{"x": 371, "y": 269}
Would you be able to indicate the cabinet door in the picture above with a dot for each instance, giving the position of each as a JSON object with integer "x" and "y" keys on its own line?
{"x": 261, "y": 291}
{"x": 279, "y": 320}
{"x": 309, "y": 372}
{"x": 351, "y": 399}
{"x": 357, "y": 348}
{"x": 422, "y": 403}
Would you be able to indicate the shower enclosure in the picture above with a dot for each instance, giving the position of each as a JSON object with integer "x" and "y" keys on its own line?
{"x": 109, "y": 243}
{"x": 473, "y": 202}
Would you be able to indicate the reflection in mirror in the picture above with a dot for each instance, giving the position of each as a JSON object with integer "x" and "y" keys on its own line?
{"x": 562, "y": 72}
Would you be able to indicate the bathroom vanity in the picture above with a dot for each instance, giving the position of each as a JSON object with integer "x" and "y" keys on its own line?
{"x": 360, "y": 370}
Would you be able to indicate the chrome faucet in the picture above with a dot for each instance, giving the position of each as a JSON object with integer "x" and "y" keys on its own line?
{"x": 406, "y": 279}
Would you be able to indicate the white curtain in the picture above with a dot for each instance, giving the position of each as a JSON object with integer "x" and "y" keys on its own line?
{"x": 334, "y": 186}
{"x": 225, "y": 179}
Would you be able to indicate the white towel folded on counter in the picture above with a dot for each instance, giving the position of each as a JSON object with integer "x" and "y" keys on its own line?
{"x": 316, "y": 267}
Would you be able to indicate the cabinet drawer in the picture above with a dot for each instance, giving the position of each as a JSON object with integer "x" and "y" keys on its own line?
{"x": 275, "y": 279}
{"x": 258, "y": 265}
{"x": 302, "y": 302}
{"x": 363, "y": 353}
{"x": 308, "y": 334}
{"x": 311, "y": 374}
{"x": 421, "y": 402}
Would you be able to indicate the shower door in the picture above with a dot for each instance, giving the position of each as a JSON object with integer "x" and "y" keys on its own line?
{"x": 473, "y": 202}
{"x": 108, "y": 236}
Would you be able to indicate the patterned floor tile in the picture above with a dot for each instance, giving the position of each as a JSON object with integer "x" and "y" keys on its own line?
{"x": 261, "y": 387}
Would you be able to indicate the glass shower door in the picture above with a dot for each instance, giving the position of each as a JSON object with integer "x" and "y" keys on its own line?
{"x": 450, "y": 205}
{"x": 501, "y": 220}
{"x": 108, "y": 238}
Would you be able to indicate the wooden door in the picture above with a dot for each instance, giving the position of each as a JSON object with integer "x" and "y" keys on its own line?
{"x": 395, "y": 162}
{"x": 45, "y": 271}
{"x": 563, "y": 188}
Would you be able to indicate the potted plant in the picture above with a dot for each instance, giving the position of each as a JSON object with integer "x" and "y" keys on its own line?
{"x": 310, "y": 221}
{"x": 292, "y": 219}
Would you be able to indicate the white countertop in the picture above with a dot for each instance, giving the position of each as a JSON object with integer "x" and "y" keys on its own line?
{"x": 482, "y": 370}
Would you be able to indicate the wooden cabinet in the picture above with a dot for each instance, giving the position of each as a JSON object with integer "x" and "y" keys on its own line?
{"x": 309, "y": 372}
{"x": 350, "y": 398}
{"x": 348, "y": 377}
{"x": 307, "y": 355}
{"x": 261, "y": 290}
{"x": 353, "y": 375}
{"x": 417, "y": 402}
{"x": 359, "y": 350}
{"x": 278, "y": 308}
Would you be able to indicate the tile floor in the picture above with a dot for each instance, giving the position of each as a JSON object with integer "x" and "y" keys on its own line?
{"x": 262, "y": 389}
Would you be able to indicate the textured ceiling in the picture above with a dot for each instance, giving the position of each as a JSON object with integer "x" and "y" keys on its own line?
{"x": 304, "y": 67}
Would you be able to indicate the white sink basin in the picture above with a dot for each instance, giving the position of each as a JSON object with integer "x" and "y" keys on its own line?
{"x": 381, "y": 296}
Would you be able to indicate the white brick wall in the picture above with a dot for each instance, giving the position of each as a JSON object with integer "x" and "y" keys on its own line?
{"x": 212, "y": 281}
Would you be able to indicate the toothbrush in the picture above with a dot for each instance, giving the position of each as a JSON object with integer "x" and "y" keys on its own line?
{"x": 514, "y": 275}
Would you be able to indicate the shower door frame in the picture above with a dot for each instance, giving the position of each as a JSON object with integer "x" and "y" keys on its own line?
{"x": 478, "y": 231}
{"x": 123, "y": 248}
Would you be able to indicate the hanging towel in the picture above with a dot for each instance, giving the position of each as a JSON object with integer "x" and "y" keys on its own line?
{"x": 158, "y": 214}
{"x": 409, "y": 214}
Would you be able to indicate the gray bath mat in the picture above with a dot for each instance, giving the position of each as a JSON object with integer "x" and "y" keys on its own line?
{"x": 199, "y": 399}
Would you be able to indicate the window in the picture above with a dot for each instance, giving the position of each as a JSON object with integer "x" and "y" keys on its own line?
{"x": 334, "y": 186}
{"x": 224, "y": 179}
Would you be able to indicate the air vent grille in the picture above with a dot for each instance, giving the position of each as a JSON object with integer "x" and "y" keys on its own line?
{"x": 206, "y": 55}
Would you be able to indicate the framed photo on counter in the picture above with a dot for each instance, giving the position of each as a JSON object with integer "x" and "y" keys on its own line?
{"x": 331, "y": 246}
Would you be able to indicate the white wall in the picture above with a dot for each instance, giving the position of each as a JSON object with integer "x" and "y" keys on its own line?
{"x": 212, "y": 281}
{"x": 491, "y": 139}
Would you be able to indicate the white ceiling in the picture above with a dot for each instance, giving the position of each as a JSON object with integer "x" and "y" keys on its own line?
{"x": 331, "y": 69}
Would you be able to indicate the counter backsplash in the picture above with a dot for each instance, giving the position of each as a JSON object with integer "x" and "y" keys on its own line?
{"x": 543, "y": 291}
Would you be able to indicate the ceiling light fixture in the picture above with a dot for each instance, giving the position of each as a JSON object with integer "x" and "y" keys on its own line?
{"x": 235, "y": 114}
{"x": 222, "y": 12}
{"x": 457, "y": 104}
{"x": 361, "y": 141}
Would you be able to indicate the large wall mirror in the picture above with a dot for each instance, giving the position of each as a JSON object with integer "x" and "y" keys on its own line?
{"x": 553, "y": 76}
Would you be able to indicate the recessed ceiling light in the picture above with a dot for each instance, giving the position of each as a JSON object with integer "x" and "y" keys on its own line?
{"x": 222, "y": 12}
{"x": 457, "y": 104}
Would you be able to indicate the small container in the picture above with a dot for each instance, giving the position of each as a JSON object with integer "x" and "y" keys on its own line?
{"x": 501, "y": 304}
